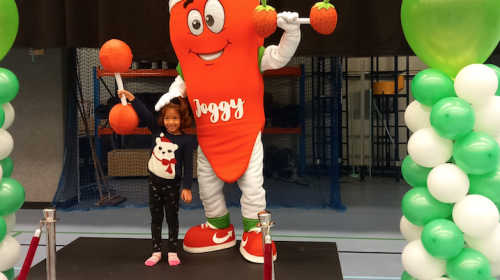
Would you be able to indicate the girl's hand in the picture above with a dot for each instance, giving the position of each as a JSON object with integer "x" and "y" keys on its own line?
{"x": 127, "y": 94}
{"x": 186, "y": 196}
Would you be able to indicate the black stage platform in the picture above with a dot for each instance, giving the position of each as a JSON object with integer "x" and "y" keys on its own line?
{"x": 123, "y": 259}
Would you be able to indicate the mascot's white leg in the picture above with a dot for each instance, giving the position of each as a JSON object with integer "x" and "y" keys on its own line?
{"x": 253, "y": 198}
{"x": 210, "y": 188}
{"x": 253, "y": 201}
{"x": 217, "y": 233}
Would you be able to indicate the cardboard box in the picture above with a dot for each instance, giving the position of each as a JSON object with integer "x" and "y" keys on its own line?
{"x": 128, "y": 162}
{"x": 134, "y": 162}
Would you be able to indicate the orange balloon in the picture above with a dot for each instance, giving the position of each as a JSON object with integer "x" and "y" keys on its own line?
{"x": 123, "y": 119}
{"x": 115, "y": 56}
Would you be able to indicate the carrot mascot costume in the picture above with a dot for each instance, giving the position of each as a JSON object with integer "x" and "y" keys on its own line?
{"x": 221, "y": 63}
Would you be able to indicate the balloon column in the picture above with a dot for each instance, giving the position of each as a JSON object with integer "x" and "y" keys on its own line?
{"x": 451, "y": 216}
{"x": 11, "y": 192}
{"x": 116, "y": 57}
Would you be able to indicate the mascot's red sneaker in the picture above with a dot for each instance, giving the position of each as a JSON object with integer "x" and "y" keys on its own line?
{"x": 251, "y": 246}
{"x": 206, "y": 238}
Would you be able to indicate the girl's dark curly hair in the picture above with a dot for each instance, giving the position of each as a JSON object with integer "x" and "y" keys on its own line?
{"x": 181, "y": 106}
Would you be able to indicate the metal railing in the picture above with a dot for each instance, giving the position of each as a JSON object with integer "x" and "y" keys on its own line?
{"x": 49, "y": 221}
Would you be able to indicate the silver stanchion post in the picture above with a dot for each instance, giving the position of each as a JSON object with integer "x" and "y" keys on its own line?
{"x": 50, "y": 220}
{"x": 265, "y": 224}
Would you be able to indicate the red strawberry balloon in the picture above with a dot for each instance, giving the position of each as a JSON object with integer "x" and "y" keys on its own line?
{"x": 323, "y": 17}
{"x": 116, "y": 57}
{"x": 265, "y": 20}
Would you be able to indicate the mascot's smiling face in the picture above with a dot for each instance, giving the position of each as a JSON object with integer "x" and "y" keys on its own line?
{"x": 211, "y": 32}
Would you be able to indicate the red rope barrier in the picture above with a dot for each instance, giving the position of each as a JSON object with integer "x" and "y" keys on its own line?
{"x": 31, "y": 254}
{"x": 268, "y": 262}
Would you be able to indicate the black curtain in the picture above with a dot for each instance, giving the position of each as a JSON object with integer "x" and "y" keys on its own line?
{"x": 365, "y": 28}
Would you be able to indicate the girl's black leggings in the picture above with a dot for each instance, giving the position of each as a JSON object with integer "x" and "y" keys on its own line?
{"x": 164, "y": 196}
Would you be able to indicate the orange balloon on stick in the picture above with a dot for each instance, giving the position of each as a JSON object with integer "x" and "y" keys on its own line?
{"x": 116, "y": 57}
{"x": 123, "y": 119}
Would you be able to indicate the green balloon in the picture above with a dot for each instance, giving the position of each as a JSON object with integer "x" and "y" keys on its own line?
{"x": 9, "y": 273}
{"x": 407, "y": 276}
{"x": 469, "y": 265}
{"x": 2, "y": 116}
{"x": 442, "y": 239}
{"x": 7, "y": 166}
{"x": 452, "y": 118}
{"x": 449, "y": 35}
{"x": 9, "y": 22}
{"x": 496, "y": 69}
{"x": 487, "y": 185}
{"x": 420, "y": 207}
{"x": 3, "y": 229}
{"x": 9, "y": 85}
{"x": 431, "y": 85}
{"x": 12, "y": 196}
{"x": 414, "y": 174}
{"x": 477, "y": 153}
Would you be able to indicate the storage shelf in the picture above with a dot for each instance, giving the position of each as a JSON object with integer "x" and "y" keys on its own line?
{"x": 192, "y": 131}
{"x": 282, "y": 72}
{"x": 297, "y": 73}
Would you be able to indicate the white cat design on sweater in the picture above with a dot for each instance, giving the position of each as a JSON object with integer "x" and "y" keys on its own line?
{"x": 162, "y": 162}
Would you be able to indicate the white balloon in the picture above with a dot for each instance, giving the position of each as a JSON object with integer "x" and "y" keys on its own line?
{"x": 476, "y": 83}
{"x": 417, "y": 116}
{"x": 10, "y": 220}
{"x": 9, "y": 115}
{"x": 448, "y": 183}
{"x": 428, "y": 149}
{"x": 3, "y": 277}
{"x": 6, "y": 144}
{"x": 488, "y": 245}
{"x": 10, "y": 250}
{"x": 476, "y": 215}
{"x": 419, "y": 264}
{"x": 488, "y": 116}
{"x": 495, "y": 269}
{"x": 410, "y": 231}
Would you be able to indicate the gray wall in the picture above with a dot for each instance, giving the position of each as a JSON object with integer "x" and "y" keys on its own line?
{"x": 39, "y": 124}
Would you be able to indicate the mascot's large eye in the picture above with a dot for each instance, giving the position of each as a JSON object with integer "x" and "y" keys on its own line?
{"x": 195, "y": 22}
{"x": 214, "y": 15}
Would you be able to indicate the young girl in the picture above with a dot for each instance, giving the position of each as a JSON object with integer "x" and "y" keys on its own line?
{"x": 172, "y": 150}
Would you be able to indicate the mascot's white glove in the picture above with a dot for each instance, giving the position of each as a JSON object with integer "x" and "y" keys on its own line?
{"x": 276, "y": 57}
{"x": 287, "y": 22}
{"x": 177, "y": 89}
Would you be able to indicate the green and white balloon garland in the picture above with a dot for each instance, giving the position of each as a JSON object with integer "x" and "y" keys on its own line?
{"x": 454, "y": 169}
{"x": 12, "y": 194}
{"x": 451, "y": 215}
